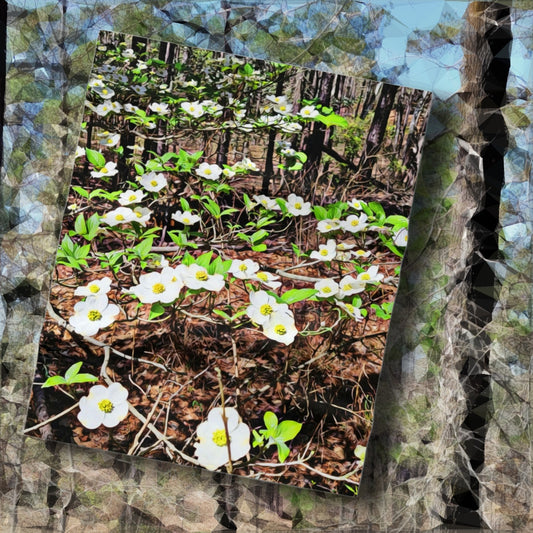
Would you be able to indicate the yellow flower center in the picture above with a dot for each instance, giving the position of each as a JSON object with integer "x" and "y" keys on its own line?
{"x": 365, "y": 276}
{"x": 104, "y": 108}
{"x": 354, "y": 222}
{"x": 243, "y": 267}
{"x": 119, "y": 217}
{"x": 109, "y": 141}
{"x": 328, "y": 226}
{"x": 324, "y": 251}
{"x": 219, "y": 437}
{"x": 207, "y": 171}
{"x": 280, "y": 329}
{"x": 282, "y": 107}
{"x": 104, "y": 170}
{"x": 105, "y": 91}
{"x": 138, "y": 215}
{"x": 262, "y": 276}
{"x": 326, "y": 290}
{"x": 186, "y": 220}
{"x": 153, "y": 183}
{"x": 158, "y": 288}
{"x": 132, "y": 198}
{"x": 360, "y": 252}
{"x": 105, "y": 405}
{"x": 349, "y": 307}
{"x": 94, "y": 315}
{"x": 174, "y": 279}
{"x": 298, "y": 205}
{"x": 201, "y": 275}
{"x": 191, "y": 109}
{"x": 346, "y": 287}
{"x": 266, "y": 309}
{"x": 94, "y": 288}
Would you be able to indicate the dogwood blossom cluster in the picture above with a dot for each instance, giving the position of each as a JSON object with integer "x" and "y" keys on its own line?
{"x": 276, "y": 318}
{"x": 95, "y": 312}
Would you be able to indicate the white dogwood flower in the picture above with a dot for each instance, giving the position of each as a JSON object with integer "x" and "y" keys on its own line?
{"x": 356, "y": 204}
{"x": 104, "y": 405}
{"x": 131, "y": 197}
{"x": 355, "y": 223}
{"x": 93, "y": 314}
{"x": 370, "y": 276}
{"x": 308, "y": 111}
{"x": 186, "y": 218}
{"x": 96, "y": 286}
{"x": 326, "y": 288}
{"x": 109, "y": 169}
{"x": 212, "y": 446}
{"x": 328, "y": 224}
{"x": 296, "y": 205}
{"x": 266, "y": 278}
{"x": 263, "y": 306}
{"x": 265, "y": 201}
{"x": 280, "y": 327}
{"x": 195, "y": 109}
{"x": 163, "y": 286}
{"x": 326, "y": 252}
{"x": 209, "y": 171}
{"x": 351, "y": 310}
{"x": 120, "y": 215}
{"x": 142, "y": 215}
{"x": 348, "y": 285}
{"x": 153, "y": 181}
{"x": 400, "y": 237}
{"x": 243, "y": 269}
{"x": 159, "y": 108}
{"x": 196, "y": 277}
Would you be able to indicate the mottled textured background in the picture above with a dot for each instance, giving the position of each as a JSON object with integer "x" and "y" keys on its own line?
{"x": 451, "y": 442}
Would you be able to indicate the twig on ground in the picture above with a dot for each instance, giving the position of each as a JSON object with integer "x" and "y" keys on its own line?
{"x": 135, "y": 442}
{"x": 52, "y": 418}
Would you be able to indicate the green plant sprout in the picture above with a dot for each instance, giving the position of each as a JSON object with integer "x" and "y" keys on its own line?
{"x": 276, "y": 433}
{"x": 71, "y": 377}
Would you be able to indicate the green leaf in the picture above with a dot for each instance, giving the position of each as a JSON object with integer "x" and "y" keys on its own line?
{"x": 258, "y": 236}
{"x": 283, "y": 451}
{"x": 144, "y": 247}
{"x": 156, "y": 310}
{"x": 204, "y": 259}
{"x": 79, "y": 225}
{"x": 332, "y": 120}
{"x": 258, "y": 439}
{"x": 185, "y": 204}
{"x": 259, "y": 247}
{"x": 377, "y": 209}
{"x": 271, "y": 420}
{"x": 95, "y": 158}
{"x": 222, "y": 314}
{"x": 396, "y": 220}
{"x": 287, "y": 430}
{"x": 139, "y": 169}
{"x": 84, "y": 378}
{"x": 320, "y": 212}
{"x": 297, "y": 295}
{"x": 72, "y": 371}
{"x": 81, "y": 191}
{"x": 53, "y": 381}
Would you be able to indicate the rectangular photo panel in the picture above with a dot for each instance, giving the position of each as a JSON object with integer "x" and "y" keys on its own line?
{"x": 227, "y": 264}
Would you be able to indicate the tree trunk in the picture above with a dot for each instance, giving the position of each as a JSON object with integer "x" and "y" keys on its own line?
{"x": 376, "y": 132}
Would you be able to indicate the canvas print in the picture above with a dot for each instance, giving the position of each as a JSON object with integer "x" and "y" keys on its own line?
{"x": 227, "y": 264}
